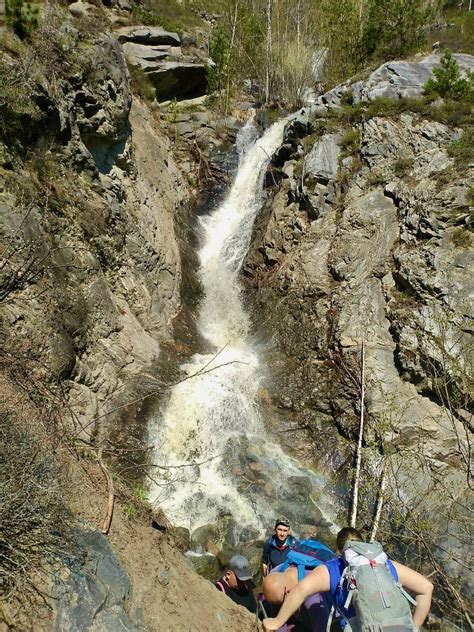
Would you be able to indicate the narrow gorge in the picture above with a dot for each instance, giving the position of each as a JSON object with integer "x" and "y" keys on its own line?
{"x": 187, "y": 287}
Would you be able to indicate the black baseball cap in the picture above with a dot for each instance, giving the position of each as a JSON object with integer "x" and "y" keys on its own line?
{"x": 284, "y": 522}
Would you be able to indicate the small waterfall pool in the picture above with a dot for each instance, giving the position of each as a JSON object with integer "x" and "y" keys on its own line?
{"x": 211, "y": 430}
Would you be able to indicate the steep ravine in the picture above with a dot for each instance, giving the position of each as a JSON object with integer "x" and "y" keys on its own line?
{"x": 359, "y": 236}
{"x": 95, "y": 214}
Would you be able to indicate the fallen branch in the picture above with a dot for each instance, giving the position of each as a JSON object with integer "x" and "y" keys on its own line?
{"x": 163, "y": 386}
{"x": 110, "y": 486}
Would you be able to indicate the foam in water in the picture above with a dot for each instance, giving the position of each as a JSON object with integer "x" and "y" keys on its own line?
{"x": 212, "y": 416}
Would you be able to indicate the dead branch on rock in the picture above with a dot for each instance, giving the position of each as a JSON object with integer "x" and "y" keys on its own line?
{"x": 207, "y": 171}
{"x": 111, "y": 495}
{"x": 164, "y": 386}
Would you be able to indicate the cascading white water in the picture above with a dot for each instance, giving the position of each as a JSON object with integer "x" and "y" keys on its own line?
{"x": 210, "y": 415}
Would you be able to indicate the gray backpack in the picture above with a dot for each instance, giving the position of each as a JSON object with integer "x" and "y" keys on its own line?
{"x": 380, "y": 603}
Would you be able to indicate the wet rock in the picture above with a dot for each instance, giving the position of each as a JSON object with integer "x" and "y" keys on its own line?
{"x": 206, "y": 565}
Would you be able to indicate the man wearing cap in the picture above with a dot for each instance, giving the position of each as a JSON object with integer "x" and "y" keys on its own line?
{"x": 277, "y": 547}
{"x": 237, "y": 583}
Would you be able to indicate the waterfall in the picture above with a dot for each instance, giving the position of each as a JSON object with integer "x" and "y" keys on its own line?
{"x": 212, "y": 418}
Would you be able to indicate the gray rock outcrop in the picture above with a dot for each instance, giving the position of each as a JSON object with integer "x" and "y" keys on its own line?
{"x": 173, "y": 72}
{"x": 92, "y": 590}
{"x": 110, "y": 285}
{"x": 372, "y": 242}
{"x": 393, "y": 80}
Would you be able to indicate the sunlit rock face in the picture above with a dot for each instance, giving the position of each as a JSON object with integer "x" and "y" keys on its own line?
{"x": 367, "y": 239}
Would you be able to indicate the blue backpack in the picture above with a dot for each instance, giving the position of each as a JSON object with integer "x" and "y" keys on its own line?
{"x": 306, "y": 555}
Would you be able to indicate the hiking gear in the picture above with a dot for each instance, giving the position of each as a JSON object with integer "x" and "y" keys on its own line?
{"x": 369, "y": 583}
{"x": 284, "y": 522}
{"x": 306, "y": 555}
{"x": 240, "y": 566}
{"x": 275, "y": 552}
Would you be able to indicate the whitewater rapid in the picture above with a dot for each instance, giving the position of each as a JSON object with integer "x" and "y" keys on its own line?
{"x": 212, "y": 418}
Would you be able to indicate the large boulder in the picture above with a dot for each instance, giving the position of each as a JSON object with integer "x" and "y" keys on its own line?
{"x": 150, "y": 35}
{"x": 176, "y": 80}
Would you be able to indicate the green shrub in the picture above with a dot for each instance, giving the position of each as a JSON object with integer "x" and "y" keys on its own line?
{"x": 454, "y": 113}
{"x": 140, "y": 493}
{"x": 130, "y": 511}
{"x": 448, "y": 82}
{"x": 375, "y": 178}
{"x": 220, "y": 75}
{"x": 458, "y": 34}
{"x": 402, "y": 166}
{"x": 350, "y": 142}
{"x": 461, "y": 237}
{"x": 22, "y": 17}
{"x": 141, "y": 84}
{"x": 17, "y": 90}
{"x": 462, "y": 150}
{"x": 394, "y": 28}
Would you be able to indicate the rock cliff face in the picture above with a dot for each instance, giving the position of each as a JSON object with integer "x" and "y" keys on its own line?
{"x": 93, "y": 210}
{"x": 109, "y": 287}
{"x": 366, "y": 236}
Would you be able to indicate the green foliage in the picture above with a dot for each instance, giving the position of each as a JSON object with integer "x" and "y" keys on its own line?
{"x": 461, "y": 237}
{"x": 130, "y": 511}
{"x": 448, "y": 81}
{"x": 375, "y": 178}
{"x": 17, "y": 89}
{"x": 350, "y": 142}
{"x": 454, "y": 113}
{"x": 458, "y": 34}
{"x": 462, "y": 150}
{"x": 140, "y": 493}
{"x": 220, "y": 76}
{"x": 141, "y": 84}
{"x": 340, "y": 28}
{"x": 394, "y": 28}
{"x": 402, "y": 166}
{"x": 220, "y": 53}
{"x": 172, "y": 15}
{"x": 149, "y": 18}
{"x": 22, "y": 17}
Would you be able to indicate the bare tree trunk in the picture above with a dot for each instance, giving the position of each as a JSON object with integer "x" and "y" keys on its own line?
{"x": 355, "y": 491}
{"x": 231, "y": 53}
{"x": 269, "y": 50}
{"x": 380, "y": 501}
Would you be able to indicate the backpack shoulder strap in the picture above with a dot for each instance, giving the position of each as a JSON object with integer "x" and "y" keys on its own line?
{"x": 220, "y": 586}
{"x": 301, "y": 569}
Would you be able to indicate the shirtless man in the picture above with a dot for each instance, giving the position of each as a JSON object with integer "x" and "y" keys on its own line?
{"x": 319, "y": 581}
